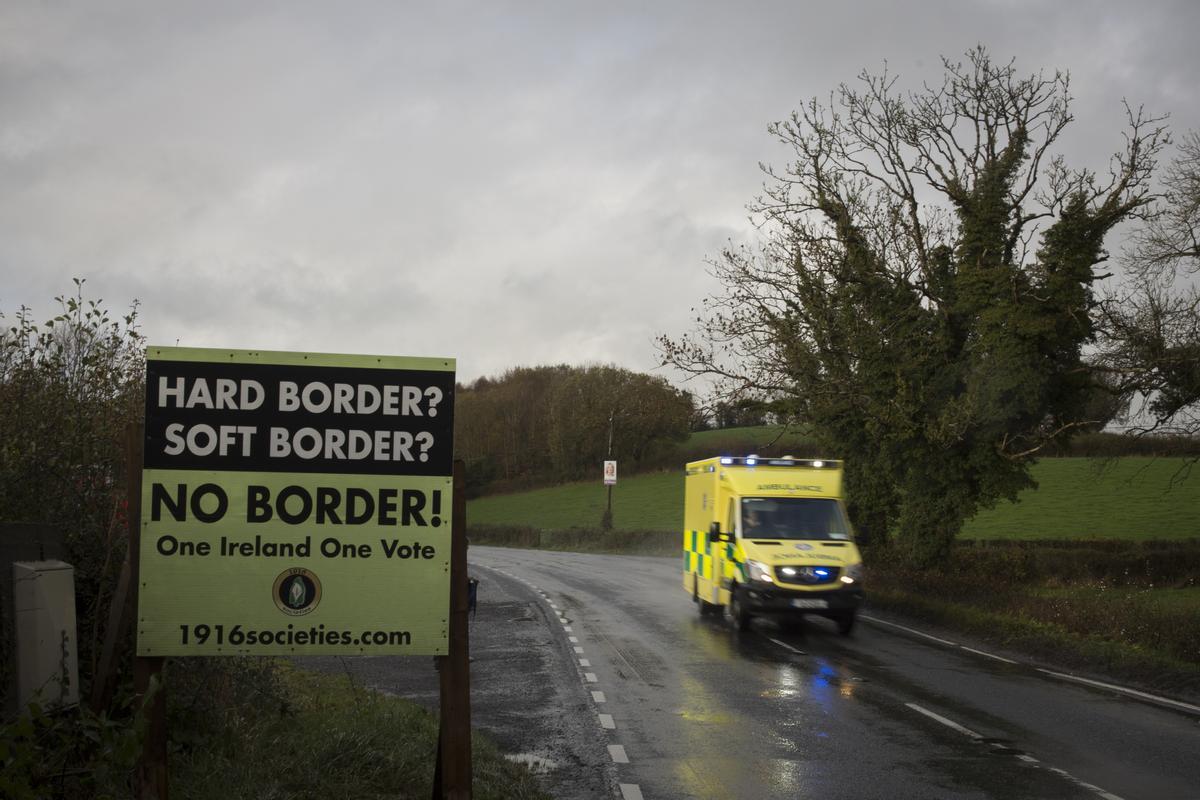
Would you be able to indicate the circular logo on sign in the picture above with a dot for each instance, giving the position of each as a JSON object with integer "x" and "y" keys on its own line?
{"x": 804, "y": 547}
{"x": 297, "y": 591}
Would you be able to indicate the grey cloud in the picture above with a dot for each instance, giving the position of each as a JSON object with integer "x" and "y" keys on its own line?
{"x": 507, "y": 183}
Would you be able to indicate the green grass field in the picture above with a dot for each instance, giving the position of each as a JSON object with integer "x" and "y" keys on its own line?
{"x": 640, "y": 502}
{"x": 774, "y": 439}
{"x": 1077, "y": 498}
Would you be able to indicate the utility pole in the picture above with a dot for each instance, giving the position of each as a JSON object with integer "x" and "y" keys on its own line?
{"x": 606, "y": 520}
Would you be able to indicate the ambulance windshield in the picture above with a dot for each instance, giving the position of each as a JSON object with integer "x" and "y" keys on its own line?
{"x": 793, "y": 518}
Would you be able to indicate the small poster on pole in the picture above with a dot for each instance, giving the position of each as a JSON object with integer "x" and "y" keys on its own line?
{"x": 610, "y": 473}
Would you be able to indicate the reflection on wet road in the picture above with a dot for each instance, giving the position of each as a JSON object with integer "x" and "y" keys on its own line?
{"x": 704, "y": 712}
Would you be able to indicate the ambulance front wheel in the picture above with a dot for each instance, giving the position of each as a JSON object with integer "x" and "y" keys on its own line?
{"x": 845, "y": 622}
{"x": 737, "y": 610}
{"x": 706, "y": 608}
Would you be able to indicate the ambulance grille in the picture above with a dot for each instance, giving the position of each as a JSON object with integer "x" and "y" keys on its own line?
{"x": 807, "y": 575}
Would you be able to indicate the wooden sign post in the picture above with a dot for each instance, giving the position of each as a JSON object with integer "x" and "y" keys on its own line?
{"x": 453, "y": 774}
{"x": 151, "y": 773}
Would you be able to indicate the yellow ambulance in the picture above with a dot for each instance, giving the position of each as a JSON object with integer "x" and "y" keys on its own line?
{"x": 770, "y": 537}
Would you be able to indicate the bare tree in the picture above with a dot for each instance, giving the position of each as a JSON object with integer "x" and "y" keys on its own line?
{"x": 1169, "y": 243}
{"x": 1150, "y": 328}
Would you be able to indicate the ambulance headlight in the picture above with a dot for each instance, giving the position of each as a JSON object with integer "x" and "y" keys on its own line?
{"x": 759, "y": 572}
{"x": 853, "y": 574}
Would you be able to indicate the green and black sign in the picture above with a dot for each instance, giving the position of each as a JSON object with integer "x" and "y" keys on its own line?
{"x": 295, "y": 503}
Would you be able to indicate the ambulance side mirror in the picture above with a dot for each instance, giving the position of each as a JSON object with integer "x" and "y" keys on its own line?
{"x": 715, "y": 535}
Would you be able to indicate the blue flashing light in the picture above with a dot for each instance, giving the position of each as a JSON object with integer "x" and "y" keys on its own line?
{"x": 824, "y": 573}
{"x": 726, "y": 461}
{"x": 751, "y": 461}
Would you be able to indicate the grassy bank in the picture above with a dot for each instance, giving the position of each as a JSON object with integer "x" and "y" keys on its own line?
{"x": 1147, "y": 636}
{"x": 281, "y": 732}
{"x": 248, "y": 728}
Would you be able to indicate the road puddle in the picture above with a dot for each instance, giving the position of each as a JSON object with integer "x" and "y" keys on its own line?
{"x": 537, "y": 764}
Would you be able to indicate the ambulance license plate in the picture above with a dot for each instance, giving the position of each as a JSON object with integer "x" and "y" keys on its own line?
{"x": 810, "y": 604}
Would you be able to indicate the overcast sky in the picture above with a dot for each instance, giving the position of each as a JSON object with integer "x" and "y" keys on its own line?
{"x": 503, "y": 183}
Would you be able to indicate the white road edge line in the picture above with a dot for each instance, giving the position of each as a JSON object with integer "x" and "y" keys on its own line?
{"x": 1085, "y": 784}
{"x": 949, "y": 723}
{"x": 631, "y": 791}
{"x": 988, "y": 655}
{"x": 1151, "y": 698}
{"x": 905, "y": 628}
{"x": 617, "y": 753}
{"x": 1131, "y": 692}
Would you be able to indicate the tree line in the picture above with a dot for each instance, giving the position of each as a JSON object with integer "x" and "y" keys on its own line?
{"x": 549, "y": 424}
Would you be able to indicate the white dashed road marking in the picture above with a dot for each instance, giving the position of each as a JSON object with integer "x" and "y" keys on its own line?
{"x": 787, "y": 646}
{"x": 590, "y": 677}
{"x": 598, "y": 697}
{"x": 606, "y": 722}
{"x": 631, "y": 791}
{"x": 617, "y": 751}
{"x": 949, "y": 723}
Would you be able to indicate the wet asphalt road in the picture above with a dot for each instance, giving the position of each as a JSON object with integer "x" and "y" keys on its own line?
{"x": 600, "y": 671}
